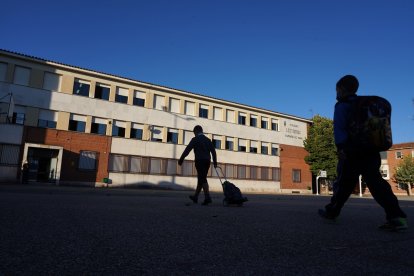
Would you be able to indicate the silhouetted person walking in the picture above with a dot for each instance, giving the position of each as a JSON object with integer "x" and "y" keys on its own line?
{"x": 354, "y": 161}
{"x": 203, "y": 150}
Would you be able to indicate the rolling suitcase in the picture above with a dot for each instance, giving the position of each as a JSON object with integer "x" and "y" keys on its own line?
{"x": 232, "y": 194}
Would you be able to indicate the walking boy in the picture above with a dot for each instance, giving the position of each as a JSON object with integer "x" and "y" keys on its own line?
{"x": 353, "y": 162}
{"x": 203, "y": 148}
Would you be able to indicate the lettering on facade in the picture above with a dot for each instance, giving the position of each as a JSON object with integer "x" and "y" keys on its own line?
{"x": 293, "y": 132}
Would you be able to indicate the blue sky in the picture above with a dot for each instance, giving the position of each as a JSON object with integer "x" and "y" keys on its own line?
{"x": 281, "y": 55}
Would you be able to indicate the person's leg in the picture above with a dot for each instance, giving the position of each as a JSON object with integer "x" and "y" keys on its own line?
{"x": 347, "y": 178}
{"x": 202, "y": 171}
{"x": 380, "y": 188}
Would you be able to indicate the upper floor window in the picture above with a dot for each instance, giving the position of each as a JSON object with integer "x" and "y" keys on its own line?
{"x": 265, "y": 148}
{"x": 3, "y": 71}
{"x": 121, "y": 95}
{"x": 265, "y": 122}
{"x": 77, "y": 122}
{"x": 139, "y": 98}
{"x": 275, "y": 150}
{"x": 217, "y": 141}
{"x": 156, "y": 133}
{"x": 296, "y": 176}
{"x": 189, "y": 108}
{"x": 47, "y": 118}
{"x": 242, "y": 145}
{"x": 383, "y": 155}
{"x": 188, "y": 135}
{"x": 399, "y": 155}
{"x": 218, "y": 113}
{"x": 242, "y": 119}
{"x": 98, "y": 126}
{"x": 102, "y": 91}
{"x": 275, "y": 124}
{"x": 174, "y": 105}
{"x": 230, "y": 116}
{"x": 253, "y": 146}
{"x": 21, "y": 75}
{"x": 118, "y": 128}
{"x": 253, "y": 120}
{"x": 19, "y": 115}
{"x": 81, "y": 87}
{"x": 203, "y": 112}
{"x": 137, "y": 131}
{"x": 159, "y": 102}
{"x": 172, "y": 136}
{"x": 229, "y": 143}
{"x": 51, "y": 81}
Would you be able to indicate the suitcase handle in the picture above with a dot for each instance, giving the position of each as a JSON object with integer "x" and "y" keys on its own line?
{"x": 221, "y": 170}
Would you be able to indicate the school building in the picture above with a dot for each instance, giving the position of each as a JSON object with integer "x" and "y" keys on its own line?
{"x": 75, "y": 126}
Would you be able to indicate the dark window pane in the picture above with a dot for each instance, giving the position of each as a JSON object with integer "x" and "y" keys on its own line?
{"x": 121, "y": 99}
{"x": 253, "y": 122}
{"x": 118, "y": 131}
{"x": 139, "y": 102}
{"x": 98, "y": 128}
{"x": 77, "y": 126}
{"x": 81, "y": 89}
{"x": 102, "y": 92}
{"x": 172, "y": 137}
{"x": 203, "y": 113}
{"x": 136, "y": 133}
{"x": 217, "y": 143}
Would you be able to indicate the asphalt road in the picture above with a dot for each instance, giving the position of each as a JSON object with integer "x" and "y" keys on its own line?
{"x": 48, "y": 230}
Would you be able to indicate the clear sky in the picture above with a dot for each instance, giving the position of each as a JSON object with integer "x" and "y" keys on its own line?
{"x": 281, "y": 55}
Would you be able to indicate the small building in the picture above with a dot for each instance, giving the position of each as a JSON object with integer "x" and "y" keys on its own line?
{"x": 79, "y": 126}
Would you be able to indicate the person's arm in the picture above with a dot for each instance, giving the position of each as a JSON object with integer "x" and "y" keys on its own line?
{"x": 186, "y": 152}
{"x": 340, "y": 125}
{"x": 213, "y": 153}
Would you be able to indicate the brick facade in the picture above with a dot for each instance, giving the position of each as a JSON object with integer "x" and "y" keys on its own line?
{"x": 291, "y": 158}
{"x": 407, "y": 150}
{"x": 73, "y": 143}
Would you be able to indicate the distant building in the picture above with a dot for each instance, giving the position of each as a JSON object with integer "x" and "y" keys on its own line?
{"x": 391, "y": 160}
{"x": 78, "y": 126}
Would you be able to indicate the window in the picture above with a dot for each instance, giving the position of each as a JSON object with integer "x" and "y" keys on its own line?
{"x": 51, "y": 81}
{"x": 172, "y": 136}
{"x": 47, "y": 118}
{"x": 253, "y": 146}
{"x": 98, "y": 126}
{"x": 265, "y": 122}
{"x": 230, "y": 171}
{"x": 398, "y": 155}
{"x": 121, "y": 95}
{"x": 275, "y": 124}
{"x": 156, "y": 166}
{"x": 203, "y": 112}
{"x": 253, "y": 120}
{"x": 241, "y": 171}
{"x": 187, "y": 168}
{"x": 174, "y": 105}
{"x": 159, "y": 102}
{"x": 188, "y": 135}
{"x": 172, "y": 167}
{"x": 88, "y": 160}
{"x": 242, "y": 119}
{"x": 276, "y": 174}
{"x": 135, "y": 164}
{"x": 22, "y": 75}
{"x": 253, "y": 172}
{"x": 139, "y": 98}
{"x": 137, "y": 131}
{"x": 275, "y": 150}
{"x": 3, "y": 71}
{"x": 102, "y": 91}
{"x": 218, "y": 114}
{"x": 9, "y": 154}
{"x": 81, "y": 88}
{"x": 384, "y": 171}
{"x": 217, "y": 141}
{"x": 18, "y": 118}
{"x": 118, "y": 128}
{"x": 229, "y": 143}
{"x": 230, "y": 116}
{"x": 118, "y": 163}
{"x": 242, "y": 145}
{"x": 77, "y": 123}
{"x": 189, "y": 108}
{"x": 265, "y": 173}
{"x": 265, "y": 148}
{"x": 296, "y": 176}
{"x": 156, "y": 134}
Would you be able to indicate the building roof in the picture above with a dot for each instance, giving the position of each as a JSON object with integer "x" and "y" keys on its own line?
{"x": 156, "y": 86}
{"x": 409, "y": 145}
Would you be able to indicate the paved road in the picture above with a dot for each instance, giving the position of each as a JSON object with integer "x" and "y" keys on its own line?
{"x": 85, "y": 231}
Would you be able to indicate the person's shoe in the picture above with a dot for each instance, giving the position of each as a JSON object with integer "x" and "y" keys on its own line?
{"x": 395, "y": 225}
{"x": 194, "y": 199}
{"x": 326, "y": 215}
{"x": 207, "y": 201}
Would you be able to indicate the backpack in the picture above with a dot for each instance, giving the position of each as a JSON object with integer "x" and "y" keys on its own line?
{"x": 369, "y": 127}
{"x": 232, "y": 193}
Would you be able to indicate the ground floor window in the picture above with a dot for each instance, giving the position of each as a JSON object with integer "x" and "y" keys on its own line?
{"x": 88, "y": 160}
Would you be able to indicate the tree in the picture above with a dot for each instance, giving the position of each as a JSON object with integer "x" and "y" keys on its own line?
{"x": 321, "y": 147}
{"x": 404, "y": 173}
